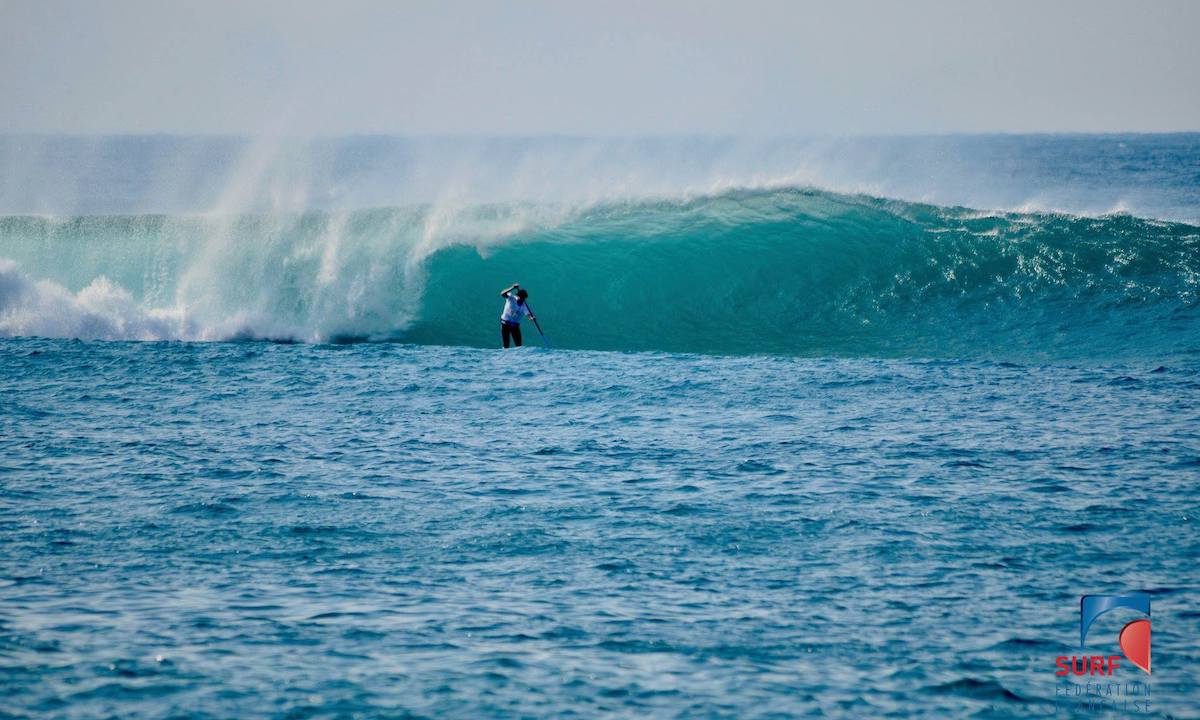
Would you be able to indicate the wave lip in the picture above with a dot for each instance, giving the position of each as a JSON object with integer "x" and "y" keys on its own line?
{"x": 784, "y": 270}
{"x": 808, "y": 272}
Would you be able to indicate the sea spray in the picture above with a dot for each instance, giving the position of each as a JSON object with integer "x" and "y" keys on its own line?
{"x": 791, "y": 271}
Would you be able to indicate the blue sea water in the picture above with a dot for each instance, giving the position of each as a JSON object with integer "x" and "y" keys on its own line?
{"x": 264, "y": 530}
{"x": 798, "y": 449}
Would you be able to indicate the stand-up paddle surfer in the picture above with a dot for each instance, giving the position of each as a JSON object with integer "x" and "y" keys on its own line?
{"x": 514, "y": 310}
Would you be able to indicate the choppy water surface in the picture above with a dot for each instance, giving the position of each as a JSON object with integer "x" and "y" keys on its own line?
{"x": 259, "y": 530}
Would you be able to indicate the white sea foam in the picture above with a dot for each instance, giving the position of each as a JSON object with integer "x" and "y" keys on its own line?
{"x": 102, "y": 310}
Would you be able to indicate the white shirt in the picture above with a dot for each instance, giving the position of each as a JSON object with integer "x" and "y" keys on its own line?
{"x": 513, "y": 309}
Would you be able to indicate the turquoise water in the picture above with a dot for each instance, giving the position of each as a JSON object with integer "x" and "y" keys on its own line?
{"x": 839, "y": 429}
{"x": 789, "y": 271}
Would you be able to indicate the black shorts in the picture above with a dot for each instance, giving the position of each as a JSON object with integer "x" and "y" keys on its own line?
{"x": 512, "y": 330}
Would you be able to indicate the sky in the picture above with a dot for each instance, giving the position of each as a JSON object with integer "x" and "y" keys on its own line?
{"x": 752, "y": 67}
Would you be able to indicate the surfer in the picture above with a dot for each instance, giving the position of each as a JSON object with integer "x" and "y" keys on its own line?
{"x": 514, "y": 309}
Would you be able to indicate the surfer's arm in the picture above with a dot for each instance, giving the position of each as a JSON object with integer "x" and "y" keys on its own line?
{"x": 504, "y": 293}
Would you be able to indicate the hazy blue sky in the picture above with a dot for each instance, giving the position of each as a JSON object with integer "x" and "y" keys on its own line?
{"x": 599, "y": 68}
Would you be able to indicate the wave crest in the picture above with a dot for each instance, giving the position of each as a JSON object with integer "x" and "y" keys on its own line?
{"x": 796, "y": 271}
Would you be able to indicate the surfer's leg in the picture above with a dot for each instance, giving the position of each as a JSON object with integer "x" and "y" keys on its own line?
{"x": 504, "y": 332}
{"x": 516, "y": 333}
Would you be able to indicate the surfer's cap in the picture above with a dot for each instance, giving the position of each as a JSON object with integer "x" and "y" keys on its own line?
{"x": 522, "y": 293}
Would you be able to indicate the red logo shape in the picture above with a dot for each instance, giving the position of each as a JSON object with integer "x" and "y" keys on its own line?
{"x": 1135, "y": 643}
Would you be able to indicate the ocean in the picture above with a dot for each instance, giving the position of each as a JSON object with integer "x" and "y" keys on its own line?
{"x": 840, "y": 427}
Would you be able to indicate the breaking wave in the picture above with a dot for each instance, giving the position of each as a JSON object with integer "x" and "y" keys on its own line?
{"x": 787, "y": 270}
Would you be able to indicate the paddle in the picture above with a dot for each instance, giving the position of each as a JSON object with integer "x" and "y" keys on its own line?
{"x": 538, "y": 326}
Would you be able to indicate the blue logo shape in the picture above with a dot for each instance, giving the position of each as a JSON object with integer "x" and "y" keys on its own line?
{"x": 1093, "y": 606}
